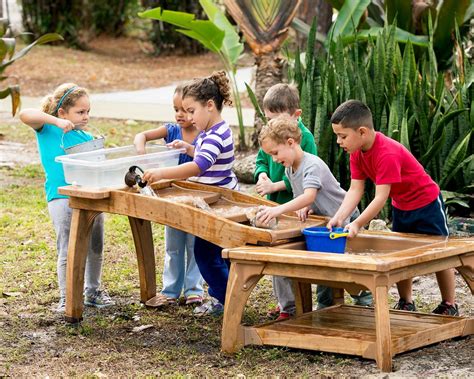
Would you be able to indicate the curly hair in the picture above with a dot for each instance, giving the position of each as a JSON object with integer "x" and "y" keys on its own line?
{"x": 280, "y": 129}
{"x": 215, "y": 87}
{"x": 69, "y": 93}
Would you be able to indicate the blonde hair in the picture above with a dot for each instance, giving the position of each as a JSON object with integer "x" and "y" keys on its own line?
{"x": 215, "y": 87}
{"x": 280, "y": 129}
{"x": 65, "y": 96}
{"x": 282, "y": 98}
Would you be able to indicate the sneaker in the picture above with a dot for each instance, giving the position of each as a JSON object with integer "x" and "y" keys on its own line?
{"x": 283, "y": 316}
{"x": 100, "y": 299}
{"x": 402, "y": 305}
{"x": 61, "y": 308}
{"x": 172, "y": 301}
{"x": 193, "y": 300}
{"x": 274, "y": 313}
{"x": 446, "y": 309}
{"x": 211, "y": 307}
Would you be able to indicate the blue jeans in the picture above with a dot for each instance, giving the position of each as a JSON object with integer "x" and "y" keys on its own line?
{"x": 180, "y": 272}
{"x": 214, "y": 269}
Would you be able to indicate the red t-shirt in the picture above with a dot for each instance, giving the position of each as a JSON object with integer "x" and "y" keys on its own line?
{"x": 389, "y": 162}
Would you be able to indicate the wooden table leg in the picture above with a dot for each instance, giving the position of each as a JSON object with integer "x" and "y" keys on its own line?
{"x": 143, "y": 239}
{"x": 303, "y": 297}
{"x": 382, "y": 329}
{"x": 79, "y": 240}
{"x": 242, "y": 280}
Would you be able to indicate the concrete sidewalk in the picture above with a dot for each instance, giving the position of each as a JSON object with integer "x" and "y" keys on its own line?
{"x": 154, "y": 104}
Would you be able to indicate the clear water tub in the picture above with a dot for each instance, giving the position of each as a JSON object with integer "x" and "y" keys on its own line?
{"x": 105, "y": 168}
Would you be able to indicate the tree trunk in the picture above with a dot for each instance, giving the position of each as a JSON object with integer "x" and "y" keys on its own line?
{"x": 269, "y": 72}
{"x": 307, "y": 11}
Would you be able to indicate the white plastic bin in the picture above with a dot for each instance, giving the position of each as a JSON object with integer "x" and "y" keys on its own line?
{"x": 106, "y": 168}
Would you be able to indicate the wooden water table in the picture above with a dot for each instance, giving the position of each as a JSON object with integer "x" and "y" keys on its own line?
{"x": 373, "y": 260}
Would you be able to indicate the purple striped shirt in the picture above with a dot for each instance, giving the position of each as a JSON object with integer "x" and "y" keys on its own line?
{"x": 214, "y": 155}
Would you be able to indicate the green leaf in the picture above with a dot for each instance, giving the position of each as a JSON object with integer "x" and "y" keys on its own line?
{"x": 7, "y": 47}
{"x": 349, "y": 17}
{"x": 303, "y": 28}
{"x": 50, "y": 37}
{"x": 231, "y": 45}
{"x": 455, "y": 160}
{"x": 255, "y": 104}
{"x": 204, "y": 31}
{"x": 433, "y": 150}
{"x": 399, "y": 11}
{"x": 404, "y": 138}
{"x": 450, "y": 12}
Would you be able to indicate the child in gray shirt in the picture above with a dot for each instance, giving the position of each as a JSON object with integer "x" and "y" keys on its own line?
{"x": 315, "y": 189}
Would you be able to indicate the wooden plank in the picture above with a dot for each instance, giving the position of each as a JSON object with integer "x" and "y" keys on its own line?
{"x": 383, "y": 342}
{"x": 428, "y": 337}
{"x": 307, "y": 340}
{"x": 318, "y": 329}
{"x": 143, "y": 239}
{"x": 84, "y": 192}
{"x": 81, "y": 227}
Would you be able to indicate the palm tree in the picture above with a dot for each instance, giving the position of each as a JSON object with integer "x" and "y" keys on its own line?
{"x": 265, "y": 27}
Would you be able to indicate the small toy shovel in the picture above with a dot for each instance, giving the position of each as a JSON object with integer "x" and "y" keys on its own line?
{"x": 334, "y": 235}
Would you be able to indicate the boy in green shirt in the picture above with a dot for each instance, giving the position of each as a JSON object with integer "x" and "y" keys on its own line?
{"x": 271, "y": 180}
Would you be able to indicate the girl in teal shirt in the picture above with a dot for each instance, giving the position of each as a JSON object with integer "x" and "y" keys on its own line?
{"x": 59, "y": 125}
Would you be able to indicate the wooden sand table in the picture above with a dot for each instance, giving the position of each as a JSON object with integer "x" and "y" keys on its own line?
{"x": 377, "y": 261}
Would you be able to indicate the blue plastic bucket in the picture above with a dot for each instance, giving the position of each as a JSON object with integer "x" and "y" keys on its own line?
{"x": 317, "y": 239}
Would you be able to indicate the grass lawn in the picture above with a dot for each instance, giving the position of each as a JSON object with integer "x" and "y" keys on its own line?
{"x": 35, "y": 341}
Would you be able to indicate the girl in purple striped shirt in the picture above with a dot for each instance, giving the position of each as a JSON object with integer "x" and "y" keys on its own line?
{"x": 213, "y": 155}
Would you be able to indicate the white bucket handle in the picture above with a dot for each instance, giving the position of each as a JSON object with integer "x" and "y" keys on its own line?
{"x": 90, "y": 126}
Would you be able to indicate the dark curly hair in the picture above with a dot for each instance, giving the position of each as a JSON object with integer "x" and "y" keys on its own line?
{"x": 215, "y": 87}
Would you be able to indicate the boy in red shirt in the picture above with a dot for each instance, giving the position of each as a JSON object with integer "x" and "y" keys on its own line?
{"x": 417, "y": 202}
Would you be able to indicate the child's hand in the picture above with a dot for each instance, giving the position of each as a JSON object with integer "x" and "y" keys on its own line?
{"x": 139, "y": 141}
{"x": 266, "y": 214}
{"x": 65, "y": 125}
{"x": 264, "y": 185}
{"x": 334, "y": 222}
{"x": 303, "y": 213}
{"x": 353, "y": 229}
{"x": 179, "y": 144}
{"x": 152, "y": 176}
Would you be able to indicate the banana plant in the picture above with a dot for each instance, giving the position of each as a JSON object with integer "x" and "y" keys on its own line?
{"x": 8, "y": 56}
{"x": 265, "y": 25}
{"x": 216, "y": 34}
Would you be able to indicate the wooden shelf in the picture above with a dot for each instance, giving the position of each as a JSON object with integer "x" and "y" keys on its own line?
{"x": 351, "y": 330}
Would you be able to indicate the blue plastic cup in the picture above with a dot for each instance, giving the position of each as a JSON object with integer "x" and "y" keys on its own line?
{"x": 317, "y": 239}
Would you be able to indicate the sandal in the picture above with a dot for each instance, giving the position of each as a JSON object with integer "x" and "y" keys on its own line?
{"x": 157, "y": 301}
{"x": 193, "y": 300}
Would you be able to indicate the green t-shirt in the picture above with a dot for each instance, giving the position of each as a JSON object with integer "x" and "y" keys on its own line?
{"x": 276, "y": 171}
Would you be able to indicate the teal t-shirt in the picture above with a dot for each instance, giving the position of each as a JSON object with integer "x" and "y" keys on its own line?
{"x": 49, "y": 139}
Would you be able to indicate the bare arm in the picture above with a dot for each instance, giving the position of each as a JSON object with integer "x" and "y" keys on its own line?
{"x": 149, "y": 135}
{"x": 184, "y": 171}
{"x": 352, "y": 198}
{"x": 36, "y": 119}
{"x": 266, "y": 214}
{"x": 382, "y": 193}
{"x": 265, "y": 185}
